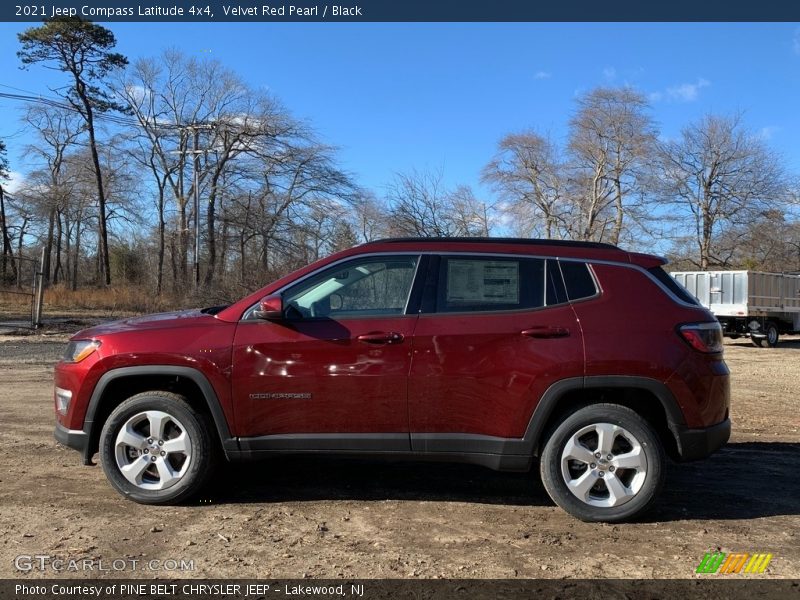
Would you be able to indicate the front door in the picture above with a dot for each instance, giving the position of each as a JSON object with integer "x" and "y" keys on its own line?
{"x": 337, "y": 362}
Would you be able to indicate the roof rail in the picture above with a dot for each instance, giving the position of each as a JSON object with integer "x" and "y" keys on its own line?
{"x": 498, "y": 240}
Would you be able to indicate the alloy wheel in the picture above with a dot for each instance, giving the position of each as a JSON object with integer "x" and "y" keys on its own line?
{"x": 603, "y": 465}
{"x": 152, "y": 450}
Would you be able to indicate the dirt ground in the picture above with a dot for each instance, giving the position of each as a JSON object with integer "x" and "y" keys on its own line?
{"x": 326, "y": 518}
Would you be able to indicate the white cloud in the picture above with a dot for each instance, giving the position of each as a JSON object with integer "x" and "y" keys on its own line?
{"x": 687, "y": 92}
{"x": 542, "y": 75}
{"x": 766, "y": 133}
{"x": 655, "y": 96}
{"x": 610, "y": 73}
{"x": 14, "y": 182}
{"x": 137, "y": 93}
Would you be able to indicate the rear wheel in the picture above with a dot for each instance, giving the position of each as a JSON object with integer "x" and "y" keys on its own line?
{"x": 603, "y": 463}
{"x": 155, "y": 448}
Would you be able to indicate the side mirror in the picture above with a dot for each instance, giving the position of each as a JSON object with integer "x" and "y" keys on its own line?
{"x": 270, "y": 308}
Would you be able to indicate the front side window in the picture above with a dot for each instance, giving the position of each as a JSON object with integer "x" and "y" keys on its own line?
{"x": 468, "y": 284}
{"x": 359, "y": 288}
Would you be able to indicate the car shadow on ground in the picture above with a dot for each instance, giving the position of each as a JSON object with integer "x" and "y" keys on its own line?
{"x": 742, "y": 481}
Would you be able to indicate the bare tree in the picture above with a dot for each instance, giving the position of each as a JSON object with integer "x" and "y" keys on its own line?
{"x": 470, "y": 216}
{"x": 57, "y": 131}
{"x": 422, "y": 206}
{"x": 198, "y": 115}
{"x": 370, "y": 217}
{"x": 527, "y": 172}
{"x": 720, "y": 174}
{"x": 612, "y": 138}
{"x": 83, "y": 50}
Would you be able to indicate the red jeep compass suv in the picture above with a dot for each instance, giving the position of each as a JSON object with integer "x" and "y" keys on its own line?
{"x": 590, "y": 359}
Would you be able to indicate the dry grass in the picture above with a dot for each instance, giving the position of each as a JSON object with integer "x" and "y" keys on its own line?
{"x": 114, "y": 299}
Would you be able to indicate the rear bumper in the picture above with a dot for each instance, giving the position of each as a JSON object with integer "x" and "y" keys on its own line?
{"x": 73, "y": 438}
{"x": 694, "y": 444}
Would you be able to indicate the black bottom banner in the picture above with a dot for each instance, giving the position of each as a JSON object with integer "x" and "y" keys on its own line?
{"x": 707, "y": 588}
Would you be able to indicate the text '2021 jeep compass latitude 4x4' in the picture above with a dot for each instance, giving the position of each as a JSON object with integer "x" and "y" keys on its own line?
{"x": 491, "y": 351}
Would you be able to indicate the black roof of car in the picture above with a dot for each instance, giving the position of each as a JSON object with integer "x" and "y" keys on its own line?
{"x": 499, "y": 240}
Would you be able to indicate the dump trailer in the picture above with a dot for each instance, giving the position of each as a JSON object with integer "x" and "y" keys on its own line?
{"x": 753, "y": 304}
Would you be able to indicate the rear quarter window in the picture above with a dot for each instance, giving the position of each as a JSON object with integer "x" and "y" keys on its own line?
{"x": 578, "y": 280}
{"x": 673, "y": 286}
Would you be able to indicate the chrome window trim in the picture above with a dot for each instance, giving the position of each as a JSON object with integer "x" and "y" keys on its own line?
{"x": 589, "y": 261}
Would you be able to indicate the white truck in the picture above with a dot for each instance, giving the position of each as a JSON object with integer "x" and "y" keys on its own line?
{"x": 753, "y": 304}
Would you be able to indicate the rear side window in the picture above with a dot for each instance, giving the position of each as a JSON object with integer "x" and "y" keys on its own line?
{"x": 673, "y": 286}
{"x": 578, "y": 280}
{"x": 468, "y": 284}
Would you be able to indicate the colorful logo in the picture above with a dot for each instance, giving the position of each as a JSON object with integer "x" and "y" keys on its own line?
{"x": 735, "y": 562}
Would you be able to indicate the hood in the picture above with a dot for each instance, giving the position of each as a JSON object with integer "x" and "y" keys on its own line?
{"x": 180, "y": 318}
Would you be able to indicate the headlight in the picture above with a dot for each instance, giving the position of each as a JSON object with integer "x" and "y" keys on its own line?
{"x": 80, "y": 349}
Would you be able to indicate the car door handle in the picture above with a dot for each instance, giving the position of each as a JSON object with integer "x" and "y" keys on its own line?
{"x": 381, "y": 337}
{"x": 545, "y": 332}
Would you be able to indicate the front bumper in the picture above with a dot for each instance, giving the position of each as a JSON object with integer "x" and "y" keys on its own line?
{"x": 694, "y": 444}
{"x": 73, "y": 438}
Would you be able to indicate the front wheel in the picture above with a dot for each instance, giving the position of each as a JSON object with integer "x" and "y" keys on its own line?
{"x": 155, "y": 448}
{"x": 603, "y": 463}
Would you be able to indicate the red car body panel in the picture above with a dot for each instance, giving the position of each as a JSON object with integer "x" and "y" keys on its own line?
{"x": 317, "y": 377}
{"x": 186, "y": 338}
{"x": 620, "y": 327}
{"x": 477, "y": 373}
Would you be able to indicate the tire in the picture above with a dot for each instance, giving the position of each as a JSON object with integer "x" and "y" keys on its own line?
{"x": 772, "y": 335}
{"x": 163, "y": 444}
{"x": 570, "y": 455}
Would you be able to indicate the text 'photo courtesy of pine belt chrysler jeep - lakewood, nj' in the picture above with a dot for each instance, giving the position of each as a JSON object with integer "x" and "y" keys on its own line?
{"x": 582, "y": 359}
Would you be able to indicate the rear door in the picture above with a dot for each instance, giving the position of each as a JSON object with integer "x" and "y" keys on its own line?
{"x": 495, "y": 333}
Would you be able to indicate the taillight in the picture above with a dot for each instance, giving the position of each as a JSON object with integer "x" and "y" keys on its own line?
{"x": 703, "y": 337}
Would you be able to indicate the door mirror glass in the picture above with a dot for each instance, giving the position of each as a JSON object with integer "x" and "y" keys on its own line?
{"x": 270, "y": 308}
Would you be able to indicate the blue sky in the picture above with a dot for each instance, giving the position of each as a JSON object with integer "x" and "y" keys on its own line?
{"x": 399, "y": 96}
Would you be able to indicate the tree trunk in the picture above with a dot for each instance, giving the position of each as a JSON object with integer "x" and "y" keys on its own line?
{"x": 8, "y": 252}
{"x": 174, "y": 258}
{"x": 48, "y": 247}
{"x": 105, "y": 262}
{"x": 77, "y": 255}
{"x": 211, "y": 241}
{"x": 161, "y": 242}
{"x": 19, "y": 248}
{"x": 183, "y": 242}
{"x": 620, "y": 212}
{"x": 242, "y": 266}
{"x": 68, "y": 250}
{"x": 59, "y": 230}
{"x": 224, "y": 240}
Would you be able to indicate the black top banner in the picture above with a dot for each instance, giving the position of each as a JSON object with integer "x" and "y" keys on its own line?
{"x": 406, "y": 10}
